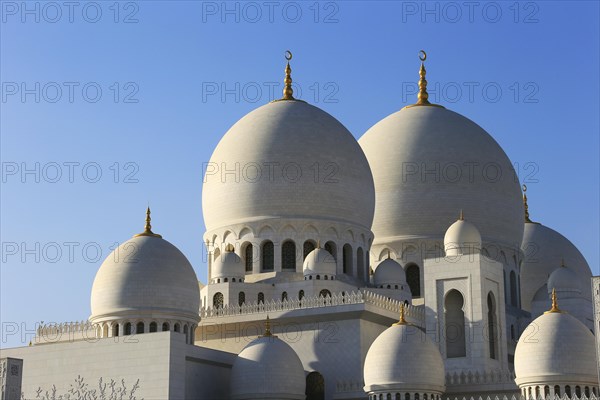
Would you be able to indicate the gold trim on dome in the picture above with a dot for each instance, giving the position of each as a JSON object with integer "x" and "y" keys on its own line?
{"x": 288, "y": 91}
{"x": 423, "y": 96}
{"x": 267, "y": 329}
{"x": 526, "y": 206}
{"x": 554, "y": 308}
{"x": 402, "y": 320}
{"x": 148, "y": 227}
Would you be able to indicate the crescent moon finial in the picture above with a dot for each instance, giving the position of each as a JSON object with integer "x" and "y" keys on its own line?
{"x": 288, "y": 55}
{"x": 524, "y": 187}
{"x": 422, "y": 55}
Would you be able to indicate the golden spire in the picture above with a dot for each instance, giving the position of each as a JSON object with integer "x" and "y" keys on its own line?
{"x": 402, "y": 320}
{"x": 229, "y": 248}
{"x": 288, "y": 92}
{"x": 527, "y": 220}
{"x": 423, "y": 96}
{"x": 148, "y": 227}
{"x": 389, "y": 256}
{"x": 554, "y": 308}
{"x": 461, "y": 216}
{"x": 268, "y": 328}
{"x": 318, "y": 244}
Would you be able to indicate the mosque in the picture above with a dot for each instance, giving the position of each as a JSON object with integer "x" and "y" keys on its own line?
{"x": 403, "y": 266}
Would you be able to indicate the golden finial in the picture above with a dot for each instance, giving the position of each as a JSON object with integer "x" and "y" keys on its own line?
{"x": 527, "y": 220}
{"x": 229, "y": 248}
{"x": 389, "y": 256}
{"x": 461, "y": 216}
{"x": 402, "y": 320}
{"x": 318, "y": 244}
{"x": 288, "y": 92}
{"x": 554, "y": 308}
{"x": 148, "y": 227}
{"x": 423, "y": 96}
{"x": 268, "y": 328}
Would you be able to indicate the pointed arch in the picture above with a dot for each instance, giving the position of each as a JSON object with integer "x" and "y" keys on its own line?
{"x": 288, "y": 255}
{"x": 310, "y": 230}
{"x": 315, "y": 386}
{"x": 454, "y": 316}
{"x": 347, "y": 259}
{"x": 331, "y": 247}
{"x": 266, "y": 231}
{"x": 307, "y": 247}
{"x": 267, "y": 256}
{"x": 226, "y": 236}
{"x": 331, "y": 231}
{"x": 492, "y": 326}
{"x": 246, "y": 231}
{"x": 413, "y": 278}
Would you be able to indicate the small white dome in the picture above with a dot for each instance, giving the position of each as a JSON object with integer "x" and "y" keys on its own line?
{"x": 462, "y": 237}
{"x": 404, "y": 359}
{"x": 389, "y": 272}
{"x": 543, "y": 249}
{"x": 319, "y": 262}
{"x": 556, "y": 348}
{"x": 146, "y": 275}
{"x": 267, "y": 368}
{"x": 228, "y": 265}
{"x": 565, "y": 281}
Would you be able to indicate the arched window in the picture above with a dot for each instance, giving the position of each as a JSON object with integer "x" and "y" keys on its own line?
{"x": 105, "y": 330}
{"x": 360, "y": 264}
{"x": 308, "y": 246}
{"x": 557, "y": 390}
{"x": 284, "y": 296}
{"x": 139, "y": 328}
{"x": 513, "y": 289}
{"x": 568, "y": 390}
{"x": 128, "y": 328}
{"x": 347, "y": 259}
{"x": 492, "y": 326}
{"x": 413, "y": 278}
{"x": 315, "y": 386}
{"x": 578, "y": 391}
{"x": 216, "y": 253}
{"x": 406, "y": 396}
{"x": 288, "y": 255}
{"x": 455, "y": 324}
{"x": 248, "y": 257}
{"x": 176, "y": 329}
{"x": 241, "y": 298}
{"x": 301, "y": 295}
{"x": 546, "y": 391}
{"x": 153, "y": 327}
{"x": 324, "y": 293}
{"x": 268, "y": 256}
{"x": 218, "y": 300}
{"x": 165, "y": 326}
{"x": 261, "y": 298}
{"x": 587, "y": 391}
{"x": 332, "y": 249}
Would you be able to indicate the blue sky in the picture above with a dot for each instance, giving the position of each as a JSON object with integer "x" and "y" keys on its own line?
{"x": 141, "y": 92}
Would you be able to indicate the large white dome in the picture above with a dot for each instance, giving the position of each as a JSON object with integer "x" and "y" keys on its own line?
{"x": 267, "y": 368}
{"x": 292, "y": 160}
{"x": 404, "y": 359}
{"x": 473, "y": 174}
{"x": 146, "y": 275}
{"x": 544, "y": 249}
{"x": 556, "y": 348}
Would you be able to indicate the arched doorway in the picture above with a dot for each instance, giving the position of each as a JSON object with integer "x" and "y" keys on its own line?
{"x": 315, "y": 386}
